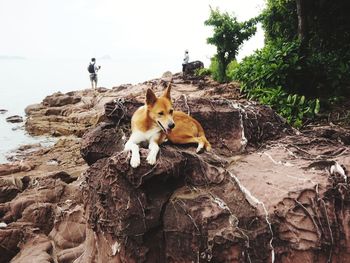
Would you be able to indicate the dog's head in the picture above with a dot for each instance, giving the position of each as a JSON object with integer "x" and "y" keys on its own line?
{"x": 160, "y": 109}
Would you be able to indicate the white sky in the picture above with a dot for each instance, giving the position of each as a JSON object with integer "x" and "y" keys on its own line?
{"x": 148, "y": 29}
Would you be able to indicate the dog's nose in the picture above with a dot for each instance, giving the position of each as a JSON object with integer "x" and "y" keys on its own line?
{"x": 171, "y": 125}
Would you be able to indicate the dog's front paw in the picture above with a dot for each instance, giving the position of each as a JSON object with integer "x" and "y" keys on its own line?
{"x": 151, "y": 159}
{"x": 135, "y": 162}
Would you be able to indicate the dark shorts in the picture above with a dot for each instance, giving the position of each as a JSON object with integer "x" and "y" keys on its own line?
{"x": 93, "y": 77}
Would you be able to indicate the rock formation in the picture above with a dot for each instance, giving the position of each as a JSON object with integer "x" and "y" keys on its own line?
{"x": 266, "y": 193}
{"x": 191, "y": 67}
{"x": 14, "y": 119}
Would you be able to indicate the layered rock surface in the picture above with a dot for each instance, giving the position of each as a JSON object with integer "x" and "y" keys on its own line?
{"x": 264, "y": 194}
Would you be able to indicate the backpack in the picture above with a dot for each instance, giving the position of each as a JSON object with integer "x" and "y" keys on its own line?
{"x": 91, "y": 68}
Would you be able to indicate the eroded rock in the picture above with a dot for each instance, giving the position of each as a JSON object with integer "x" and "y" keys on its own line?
{"x": 39, "y": 249}
{"x": 15, "y": 167}
{"x": 10, "y": 187}
{"x": 191, "y": 67}
{"x": 102, "y": 142}
{"x": 229, "y": 126}
{"x": 14, "y": 119}
{"x": 189, "y": 204}
{"x": 41, "y": 210}
{"x": 58, "y": 99}
{"x": 259, "y": 196}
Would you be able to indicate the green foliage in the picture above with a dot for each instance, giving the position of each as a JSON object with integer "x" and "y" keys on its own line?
{"x": 317, "y": 67}
{"x": 328, "y": 22}
{"x": 280, "y": 20}
{"x": 203, "y": 72}
{"x": 263, "y": 74}
{"x": 214, "y": 68}
{"x": 324, "y": 61}
{"x": 228, "y": 35}
{"x": 284, "y": 68}
{"x": 274, "y": 65}
{"x": 231, "y": 67}
{"x": 293, "y": 107}
{"x": 329, "y": 73}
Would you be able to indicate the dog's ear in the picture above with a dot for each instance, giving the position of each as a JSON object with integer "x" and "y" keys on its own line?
{"x": 150, "y": 97}
{"x": 167, "y": 92}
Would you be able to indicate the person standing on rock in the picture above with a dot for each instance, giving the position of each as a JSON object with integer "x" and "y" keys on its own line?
{"x": 185, "y": 61}
{"x": 93, "y": 68}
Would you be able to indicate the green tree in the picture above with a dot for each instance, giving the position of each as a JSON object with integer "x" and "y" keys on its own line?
{"x": 228, "y": 35}
{"x": 305, "y": 61}
{"x": 322, "y": 31}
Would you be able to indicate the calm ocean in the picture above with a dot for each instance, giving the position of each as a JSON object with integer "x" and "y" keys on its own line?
{"x": 28, "y": 81}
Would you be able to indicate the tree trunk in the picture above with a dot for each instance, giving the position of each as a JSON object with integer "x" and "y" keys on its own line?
{"x": 302, "y": 23}
{"x": 222, "y": 65}
{"x": 303, "y": 35}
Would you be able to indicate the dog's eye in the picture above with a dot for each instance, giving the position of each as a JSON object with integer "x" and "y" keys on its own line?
{"x": 171, "y": 111}
{"x": 161, "y": 113}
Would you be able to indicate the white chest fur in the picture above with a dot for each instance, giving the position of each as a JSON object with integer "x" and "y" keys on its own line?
{"x": 140, "y": 136}
{"x": 151, "y": 136}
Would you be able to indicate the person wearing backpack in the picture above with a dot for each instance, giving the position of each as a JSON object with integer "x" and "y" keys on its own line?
{"x": 93, "y": 68}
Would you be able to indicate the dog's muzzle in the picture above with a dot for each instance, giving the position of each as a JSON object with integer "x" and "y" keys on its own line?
{"x": 168, "y": 129}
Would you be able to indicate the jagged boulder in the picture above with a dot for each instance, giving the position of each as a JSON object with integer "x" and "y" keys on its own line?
{"x": 58, "y": 99}
{"x": 195, "y": 208}
{"x": 14, "y": 119}
{"x": 185, "y": 208}
{"x": 38, "y": 248}
{"x": 62, "y": 114}
{"x": 9, "y": 188}
{"x": 187, "y": 203}
{"x": 9, "y": 168}
{"x": 101, "y": 142}
{"x": 191, "y": 67}
{"x": 37, "y": 209}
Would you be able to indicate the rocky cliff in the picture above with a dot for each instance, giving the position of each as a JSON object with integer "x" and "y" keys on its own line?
{"x": 266, "y": 193}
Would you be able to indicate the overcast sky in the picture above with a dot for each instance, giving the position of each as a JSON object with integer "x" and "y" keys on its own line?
{"x": 121, "y": 29}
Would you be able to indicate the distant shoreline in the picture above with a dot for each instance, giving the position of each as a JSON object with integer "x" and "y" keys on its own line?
{"x": 13, "y": 57}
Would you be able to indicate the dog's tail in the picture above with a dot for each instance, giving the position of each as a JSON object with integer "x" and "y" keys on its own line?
{"x": 204, "y": 139}
{"x": 207, "y": 144}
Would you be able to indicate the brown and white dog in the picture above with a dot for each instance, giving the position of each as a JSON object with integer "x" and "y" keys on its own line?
{"x": 156, "y": 121}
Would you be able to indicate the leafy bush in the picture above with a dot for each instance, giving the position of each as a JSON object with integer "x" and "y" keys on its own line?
{"x": 214, "y": 69}
{"x": 329, "y": 73}
{"x": 294, "y": 108}
{"x": 203, "y": 72}
{"x": 231, "y": 68}
{"x": 324, "y": 56}
{"x": 314, "y": 61}
{"x": 263, "y": 74}
{"x": 275, "y": 65}
{"x": 280, "y": 20}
